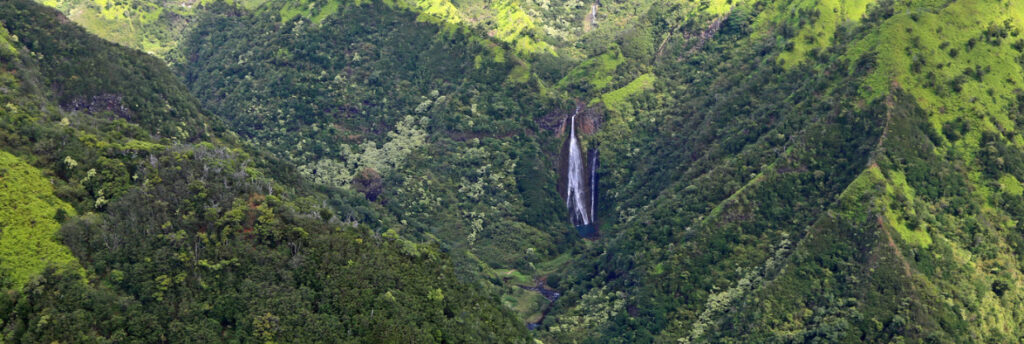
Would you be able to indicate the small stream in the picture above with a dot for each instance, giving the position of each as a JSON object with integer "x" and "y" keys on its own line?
{"x": 549, "y": 294}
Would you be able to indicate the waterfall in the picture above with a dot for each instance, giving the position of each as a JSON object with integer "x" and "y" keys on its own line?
{"x": 592, "y": 155}
{"x": 577, "y": 175}
{"x": 575, "y": 190}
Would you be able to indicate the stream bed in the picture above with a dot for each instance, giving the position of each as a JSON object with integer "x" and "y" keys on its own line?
{"x": 548, "y": 293}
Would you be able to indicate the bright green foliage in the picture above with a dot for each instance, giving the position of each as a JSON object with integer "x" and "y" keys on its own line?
{"x": 149, "y": 25}
{"x": 329, "y": 9}
{"x": 1010, "y": 185}
{"x": 618, "y": 101}
{"x": 594, "y": 74}
{"x": 722, "y": 207}
{"x": 962, "y": 64}
{"x": 511, "y": 25}
{"x": 817, "y": 22}
{"x": 513, "y": 276}
{"x": 596, "y": 309}
{"x": 407, "y": 138}
{"x": 907, "y": 238}
{"x": 316, "y": 11}
{"x": 720, "y": 7}
{"x": 28, "y": 223}
{"x": 293, "y": 9}
{"x": 897, "y": 189}
{"x": 620, "y": 114}
{"x": 153, "y": 26}
{"x": 7, "y": 49}
{"x": 516, "y": 28}
{"x": 441, "y": 10}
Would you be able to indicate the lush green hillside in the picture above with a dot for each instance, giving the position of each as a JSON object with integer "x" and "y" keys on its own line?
{"x": 771, "y": 171}
{"x": 170, "y": 230}
{"x": 440, "y": 117}
{"x": 153, "y": 26}
{"x": 861, "y": 191}
{"x": 157, "y": 26}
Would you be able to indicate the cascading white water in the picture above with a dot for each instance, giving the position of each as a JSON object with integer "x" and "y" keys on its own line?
{"x": 593, "y": 183}
{"x": 575, "y": 189}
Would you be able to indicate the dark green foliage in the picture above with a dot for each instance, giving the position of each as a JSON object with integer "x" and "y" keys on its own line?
{"x": 212, "y": 241}
{"x": 80, "y": 72}
{"x": 312, "y": 93}
{"x": 235, "y": 258}
{"x": 852, "y": 193}
{"x": 74, "y": 312}
{"x": 353, "y": 76}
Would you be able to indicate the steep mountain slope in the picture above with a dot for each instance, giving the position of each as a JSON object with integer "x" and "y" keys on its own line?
{"x": 150, "y": 26}
{"x": 156, "y": 26}
{"x": 434, "y": 124}
{"x": 172, "y": 231}
{"x": 439, "y": 116}
{"x": 153, "y": 26}
{"x": 875, "y": 202}
{"x": 784, "y": 171}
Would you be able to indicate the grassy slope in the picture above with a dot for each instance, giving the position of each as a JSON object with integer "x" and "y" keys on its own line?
{"x": 140, "y": 24}
{"x": 976, "y": 85}
{"x": 957, "y": 62}
{"x": 825, "y": 18}
{"x": 156, "y": 26}
{"x": 153, "y": 26}
{"x": 29, "y": 226}
{"x": 922, "y": 244}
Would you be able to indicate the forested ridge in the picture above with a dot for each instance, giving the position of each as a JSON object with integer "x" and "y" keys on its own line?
{"x": 175, "y": 231}
{"x": 394, "y": 171}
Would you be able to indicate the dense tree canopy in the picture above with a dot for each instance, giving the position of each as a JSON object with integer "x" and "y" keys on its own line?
{"x": 387, "y": 171}
{"x": 192, "y": 237}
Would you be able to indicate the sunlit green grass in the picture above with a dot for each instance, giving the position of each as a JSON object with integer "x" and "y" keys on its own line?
{"x": 28, "y": 225}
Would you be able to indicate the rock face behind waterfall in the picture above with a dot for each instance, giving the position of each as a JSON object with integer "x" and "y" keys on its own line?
{"x": 579, "y": 208}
